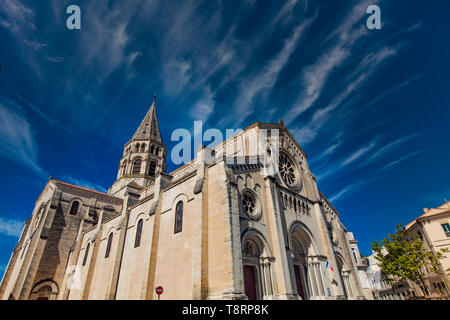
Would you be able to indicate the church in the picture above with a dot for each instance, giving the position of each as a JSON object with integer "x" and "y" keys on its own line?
{"x": 242, "y": 220}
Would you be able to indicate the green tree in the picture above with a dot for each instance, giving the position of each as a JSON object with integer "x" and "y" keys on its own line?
{"x": 403, "y": 257}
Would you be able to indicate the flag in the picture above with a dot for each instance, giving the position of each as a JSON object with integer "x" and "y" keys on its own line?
{"x": 329, "y": 266}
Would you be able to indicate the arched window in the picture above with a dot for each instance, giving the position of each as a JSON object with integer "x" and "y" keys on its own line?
{"x": 74, "y": 208}
{"x": 108, "y": 246}
{"x": 137, "y": 166}
{"x": 137, "y": 147}
{"x": 153, "y": 150}
{"x": 157, "y": 152}
{"x": 152, "y": 169}
{"x": 137, "y": 241}
{"x": 179, "y": 217}
{"x": 143, "y": 147}
{"x": 86, "y": 254}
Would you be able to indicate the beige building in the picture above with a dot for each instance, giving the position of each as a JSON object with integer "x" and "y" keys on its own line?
{"x": 244, "y": 220}
{"x": 433, "y": 227}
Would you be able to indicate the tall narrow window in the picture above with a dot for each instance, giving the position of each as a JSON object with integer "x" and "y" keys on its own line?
{"x": 446, "y": 228}
{"x": 354, "y": 254}
{"x": 179, "y": 217}
{"x": 108, "y": 246}
{"x": 152, "y": 169}
{"x": 74, "y": 208}
{"x": 86, "y": 254}
{"x": 143, "y": 147}
{"x": 137, "y": 241}
{"x": 137, "y": 166}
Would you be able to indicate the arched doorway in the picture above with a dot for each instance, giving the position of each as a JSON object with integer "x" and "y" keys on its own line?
{"x": 306, "y": 264}
{"x": 257, "y": 268}
{"x": 300, "y": 272}
{"x": 250, "y": 282}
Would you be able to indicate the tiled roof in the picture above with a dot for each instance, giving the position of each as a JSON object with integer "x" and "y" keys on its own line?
{"x": 445, "y": 208}
{"x": 84, "y": 188}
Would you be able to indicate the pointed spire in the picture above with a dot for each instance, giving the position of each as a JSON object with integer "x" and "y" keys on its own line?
{"x": 149, "y": 128}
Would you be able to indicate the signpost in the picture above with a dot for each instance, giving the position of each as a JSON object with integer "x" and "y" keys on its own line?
{"x": 159, "y": 291}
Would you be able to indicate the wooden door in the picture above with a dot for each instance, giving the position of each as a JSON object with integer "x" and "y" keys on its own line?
{"x": 250, "y": 282}
{"x": 298, "y": 281}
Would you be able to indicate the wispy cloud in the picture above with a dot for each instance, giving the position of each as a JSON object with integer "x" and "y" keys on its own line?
{"x": 105, "y": 45}
{"x": 327, "y": 152}
{"x": 264, "y": 81}
{"x": 315, "y": 76}
{"x": 393, "y": 163}
{"x": 362, "y": 73}
{"x": 51, "y": 120}
{"x": 35, "y": 45}
{"x": 55, "y": 59}
{"x": 219, "y": 58}
{"x": 375, "y": 152}
{"x": 331, "y": 148}
{"x": 393, "y": 89}
{"x": 346, "y": 190}
{"x": 15, "y": 16}
{"x": 358, "y": 154}
{"x": 17, "y": 141}
{"x": 355, "y": 155}
{"x": 176, "y": 75}
{"x": 11, "y": 227}
{"x": 203, "y": 108}
{"x": 373, "y": 176}
{"x": 389, "y": 147}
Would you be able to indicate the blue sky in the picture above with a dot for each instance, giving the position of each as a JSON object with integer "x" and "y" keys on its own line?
{"x": 370, "y": 107}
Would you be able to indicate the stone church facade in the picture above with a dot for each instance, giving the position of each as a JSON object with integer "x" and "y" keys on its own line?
{"x": 243, "y": 220}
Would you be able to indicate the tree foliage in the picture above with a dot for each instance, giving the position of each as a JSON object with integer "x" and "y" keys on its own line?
{"x": 403, "y": 257}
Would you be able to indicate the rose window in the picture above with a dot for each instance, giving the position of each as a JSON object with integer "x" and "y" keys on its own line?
{"x": 287, "y": 170}
{"x": 249, "y": 204}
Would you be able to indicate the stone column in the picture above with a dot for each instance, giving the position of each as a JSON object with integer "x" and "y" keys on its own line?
{"x": 305, "y": 284}
{"x": 319, "y": 279}
{"x": 69, "y": 280}
{"x": 346, "y": 280}
{"x": 312, "y": 279}
{"x": 263, "y": 278}
{"x": 267, "y": 274}
{"x": 91, "y": 268}
{"x": 270, "y": 277}
{"x": 111, "y": 294}
{"x": 275, "y": 225}
{"x": 33, "y": 256}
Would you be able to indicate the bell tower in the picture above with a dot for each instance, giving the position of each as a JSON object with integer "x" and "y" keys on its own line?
{"x": 144, "y": 156}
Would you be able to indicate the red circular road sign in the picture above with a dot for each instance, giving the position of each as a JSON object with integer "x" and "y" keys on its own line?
{"x": 159, "y": 290}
